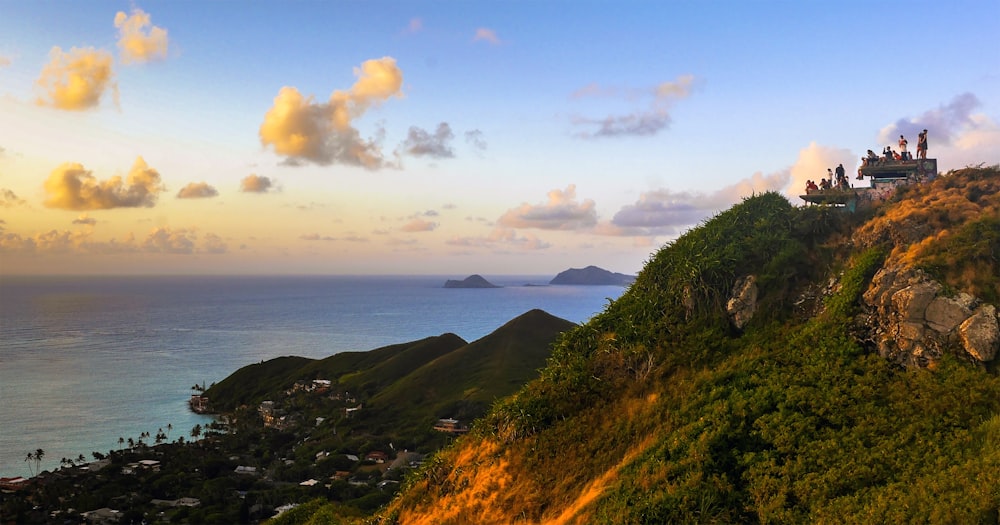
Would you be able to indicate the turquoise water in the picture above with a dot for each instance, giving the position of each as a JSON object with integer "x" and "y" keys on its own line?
{"x": 86, "y": 360}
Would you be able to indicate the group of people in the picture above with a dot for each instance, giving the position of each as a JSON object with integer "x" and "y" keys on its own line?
{"x": 890, "y": 155}
{"x": 834, "y": 180}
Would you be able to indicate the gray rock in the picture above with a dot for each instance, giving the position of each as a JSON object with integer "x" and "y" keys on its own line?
{"x": 743, "y": 303}
{"x": 980, "y": 334}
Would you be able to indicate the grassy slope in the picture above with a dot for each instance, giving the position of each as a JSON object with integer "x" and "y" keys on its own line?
{"x": 656, "y": 411}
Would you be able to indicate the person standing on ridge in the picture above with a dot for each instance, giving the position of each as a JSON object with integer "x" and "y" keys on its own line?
{"x": 902, "y": 148}
{"x": 922, "y": 145}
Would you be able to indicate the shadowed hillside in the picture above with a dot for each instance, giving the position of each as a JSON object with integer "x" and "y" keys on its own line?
{"x": 664, "y": 408}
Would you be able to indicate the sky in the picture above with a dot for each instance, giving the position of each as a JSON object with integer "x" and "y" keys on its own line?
{"x": 452, "y": 137}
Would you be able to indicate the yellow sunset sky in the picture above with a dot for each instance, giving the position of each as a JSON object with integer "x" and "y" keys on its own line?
{"x": 450, "y": 137}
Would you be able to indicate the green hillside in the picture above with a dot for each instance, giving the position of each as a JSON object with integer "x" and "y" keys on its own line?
{"x": 660, "y": 410}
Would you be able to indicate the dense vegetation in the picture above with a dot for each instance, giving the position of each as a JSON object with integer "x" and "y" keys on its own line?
{"x": 659, "y": 411}
{"x": 399, "y": 391}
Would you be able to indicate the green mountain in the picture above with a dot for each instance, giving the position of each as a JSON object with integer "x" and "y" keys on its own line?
{"x": 405, "y": 388}
{"x": 776, "y": 364}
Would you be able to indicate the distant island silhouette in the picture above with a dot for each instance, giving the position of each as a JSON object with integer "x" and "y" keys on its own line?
{"x": 472, "y": 281}
{"x": 592, "y": 275}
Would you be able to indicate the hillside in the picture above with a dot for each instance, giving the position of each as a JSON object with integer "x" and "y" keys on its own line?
{"x": 751, "y": 374}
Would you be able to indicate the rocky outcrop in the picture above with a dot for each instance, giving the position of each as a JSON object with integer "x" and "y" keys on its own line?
{"x": 909, "y": 320}
{"x": 743, "y": 303}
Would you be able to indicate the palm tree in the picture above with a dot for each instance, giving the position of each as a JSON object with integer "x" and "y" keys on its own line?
{"x": 196, "y": 431}
{"x": 121, "y": 441}
{"x": 31, "y": 457}
{"x": 39, "y": 454}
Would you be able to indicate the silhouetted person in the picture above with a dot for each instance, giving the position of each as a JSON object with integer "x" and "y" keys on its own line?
{"x": 922, "y": 145}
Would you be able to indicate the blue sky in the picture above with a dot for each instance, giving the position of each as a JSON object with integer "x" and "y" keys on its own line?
{"x": 475, "y": 137}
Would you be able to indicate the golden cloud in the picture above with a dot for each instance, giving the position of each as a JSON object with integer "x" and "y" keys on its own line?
{"x": 256, "y": 184}
{"x": 561, "y": 212}
{"x": 76, "y": 80}
{"x": 71, "y": 187}
{"x": 135, "y": 42}
{"x": 302, "y": 129}
{"x": 197, "y": 190}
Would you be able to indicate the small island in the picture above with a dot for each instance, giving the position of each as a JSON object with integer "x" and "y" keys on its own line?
{"x": 592, "y": 275}
{"x": 472, "y": 281}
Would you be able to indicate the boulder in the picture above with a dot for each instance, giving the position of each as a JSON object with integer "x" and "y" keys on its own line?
{"x": 980, "y": 333}
{"x": 944, "y": 314}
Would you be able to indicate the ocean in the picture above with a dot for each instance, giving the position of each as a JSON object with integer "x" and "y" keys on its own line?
{"x": 85, "y": 361}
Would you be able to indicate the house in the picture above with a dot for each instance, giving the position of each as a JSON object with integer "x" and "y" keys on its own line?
{"x": 246, "y": 470}
{"x": 150, "y": 464}
{"x": 13, "y": 483}
{"x": 198, "y": 404}
{"x": 309, "y": 483}
{"x": 451, "y": 426}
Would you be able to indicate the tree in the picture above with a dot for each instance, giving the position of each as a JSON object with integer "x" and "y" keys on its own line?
{"x": 196, "y": 431}
{"x": 29, "y": 459}
{"x": 121, "y": 441}
{"x": 39, "y": 454}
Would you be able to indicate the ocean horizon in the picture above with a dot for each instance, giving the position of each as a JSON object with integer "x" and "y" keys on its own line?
{"x": 87, "y": 360}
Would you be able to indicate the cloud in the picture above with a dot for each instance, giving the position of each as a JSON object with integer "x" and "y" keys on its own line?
{"x": 256, "y": 184}
{"x": 303, "y": 130}
{"x": 663, "y": 212}
{"x": 476, "y": 139}
{"x": 812, "y": 163}
{"x": 484, "y": 34}
{"x": 419, "y": 225}
{"x": 957, "y": 135}
{"x": 71, "y": 187}
{"x": 76, "y": 80}
{"x": 138, "y": 40}
{"x": 500, "y": 237}
{"x": 420, "y": 142}
{"x": 85, "y": 220}
{"x": 4, "y": 61}
{"x": 561, "y": 212}
{"x": 415, "y": 25}
{"x": 9, "y": 199}
{"x": 318, "y": 237}
{"x": 183, "y": 241}
{"x": 645, "y": 121}
{"x": 197, "y": 190}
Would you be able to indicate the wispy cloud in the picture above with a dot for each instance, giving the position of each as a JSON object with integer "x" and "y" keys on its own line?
{"x": 485, "y": 34}
{"x": 650, "y": 119}
{"x": 72, "y": 187}
{"x": 560, "y": 212}
{"x": 303, "y": 130}
{"x": 500, "y": 238}
{"x": 9, "y": 199}
{"x": 419, "y": 225}
{"x": 422, "y": 143}
{"x": 85, "y": 220}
